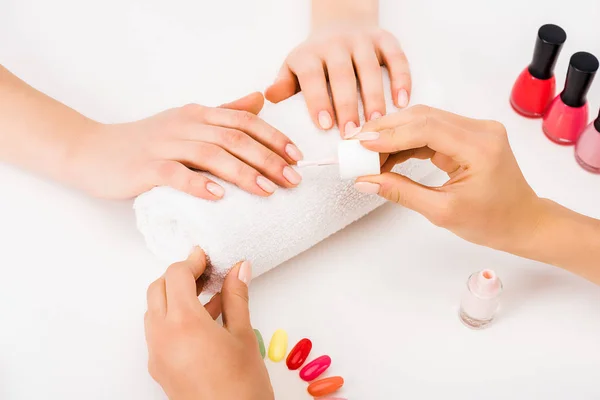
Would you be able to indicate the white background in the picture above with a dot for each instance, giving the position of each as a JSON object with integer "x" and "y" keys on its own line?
{"x": 380, "y": 297}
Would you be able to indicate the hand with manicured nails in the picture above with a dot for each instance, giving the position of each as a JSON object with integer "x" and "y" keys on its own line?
{"x": 190, "y": 355}
{"x": 340, "y": 54}
{"x": 167, "y": 149}
{"x": 486, "y": 199}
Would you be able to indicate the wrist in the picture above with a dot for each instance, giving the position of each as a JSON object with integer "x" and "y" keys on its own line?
{"x": 78, "y": 153}
{"x": 328, "y": 14}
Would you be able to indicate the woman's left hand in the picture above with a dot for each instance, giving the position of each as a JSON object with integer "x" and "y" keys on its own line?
{"x": 343, "y": 56}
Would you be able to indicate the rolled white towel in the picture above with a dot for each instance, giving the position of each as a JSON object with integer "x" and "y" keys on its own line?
{"x": 266, "y": 231}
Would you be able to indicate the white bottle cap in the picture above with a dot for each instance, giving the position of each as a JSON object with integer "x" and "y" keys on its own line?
{"x": 354, "y": 160}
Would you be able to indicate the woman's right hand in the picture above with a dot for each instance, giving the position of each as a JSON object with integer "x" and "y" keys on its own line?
{"x": 486, "y": 199}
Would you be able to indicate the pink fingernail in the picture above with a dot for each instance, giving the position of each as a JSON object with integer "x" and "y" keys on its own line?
{"x": 266, "y": 184}
{"x": 215, "y": 189}
{"x": 245, "y": 272}
{"x": 402, "y": 98}
{"x": 325, "y": 120}
{"x": 291, "y": 175}
{"x": 375, "y": 115}
{"x": 366, "y": 136}
{"x": 293, "y": 151}
{"x": 367, "y": 187}
{"x": 350, "y": 129}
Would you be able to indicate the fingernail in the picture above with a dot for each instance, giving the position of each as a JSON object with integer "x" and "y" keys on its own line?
{"x": 245, "y": 272}
{"x": 375, "y": 115}
{"x": 266, "y": 184}
{"x": 350, "y": 129}
{"x": 325, "y": 120}
{"x": 195, "y": 253}
{"x": 366, "y": 136}
{"x": 291, "y": 175}
{"x": 215, "y": 189}
{"x": 367, "y": 187}
{"x": 402, "y": 98}
{"x": 293, "y": 151}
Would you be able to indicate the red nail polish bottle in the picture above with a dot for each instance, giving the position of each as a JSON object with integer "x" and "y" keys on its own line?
{"x": 567, "y": 116}
{"x": 536, "y": 86}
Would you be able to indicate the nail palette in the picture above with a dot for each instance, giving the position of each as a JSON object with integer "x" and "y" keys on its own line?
{"x": 295, "y": 360}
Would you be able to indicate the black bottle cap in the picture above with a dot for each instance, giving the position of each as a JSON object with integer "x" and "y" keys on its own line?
{"x": 547, "y": 48}
{"x": 582, "y": 69}
{"x": 597, "y": 123}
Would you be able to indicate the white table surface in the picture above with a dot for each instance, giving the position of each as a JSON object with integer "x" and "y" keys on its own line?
{"x": 380, "y": 297}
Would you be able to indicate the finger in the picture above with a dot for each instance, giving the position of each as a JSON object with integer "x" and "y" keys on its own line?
{"x": 214, "y": 159}
{"x": 285, "y": 86}
{"x": 425, "y": 131}
{"x": 422, "y": 153}
{"x": 253, "y": 153}
{"x": 400, "y": 189}
{"x": 176, "y": 175}
{"x": 213, "y": 307}
{"x": 419, "y": 111}
{"x": 313, "y": 83}
{"x": 342, "y": 80}
{"x": 256, "y": 128}
{"x": 252, "y": 103}
{"x": 396, "y": 62}
{"x": 180, "y": 282}
{"x": 440, "y": 160}
{"x": 234, "y": 298}
{"x": 156, "y": 298}
{"x": 370, "y": 79}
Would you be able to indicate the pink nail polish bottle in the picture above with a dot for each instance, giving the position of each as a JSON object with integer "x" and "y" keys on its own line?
{"x": 567, "y": 116}
{"x": 587, "y": 151}
{"x": 481, "y": 299}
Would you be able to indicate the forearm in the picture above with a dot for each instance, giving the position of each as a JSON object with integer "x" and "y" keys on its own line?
{"x": 37, "y": 132}
{"x": 328, "y": 12}
{"x": 566, "y": 239}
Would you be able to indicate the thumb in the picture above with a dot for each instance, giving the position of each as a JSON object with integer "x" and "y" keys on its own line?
{"x": 234, "y": 298}
{"x": 253, "y": 103}
{"x": 402, "y": 190}
{"x": 285, "y": 86}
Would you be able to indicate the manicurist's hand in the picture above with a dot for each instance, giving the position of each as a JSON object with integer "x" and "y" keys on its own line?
{"x": 190, "y": 355}
{"x": 486, "y": 199}
{"x": 345, "y": 47}
{"x": 170, "y": 148}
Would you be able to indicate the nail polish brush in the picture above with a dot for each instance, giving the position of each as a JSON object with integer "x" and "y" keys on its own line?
{"x": 353, "y": 160}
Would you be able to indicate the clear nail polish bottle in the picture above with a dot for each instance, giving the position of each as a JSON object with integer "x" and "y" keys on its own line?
{"x": 481, "y": 299}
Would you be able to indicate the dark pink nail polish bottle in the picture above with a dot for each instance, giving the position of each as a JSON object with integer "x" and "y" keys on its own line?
{"x": 567, "y": 116}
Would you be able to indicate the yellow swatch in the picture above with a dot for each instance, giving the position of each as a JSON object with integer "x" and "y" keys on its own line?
{"x": 278, "y": 345}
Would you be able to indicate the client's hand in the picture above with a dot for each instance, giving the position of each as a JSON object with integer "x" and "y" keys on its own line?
{"x": 340, "y": 54}
{"x": 230, "y": 142}
{"x": 486, "y": 200}
{"x": 190, "y": 355}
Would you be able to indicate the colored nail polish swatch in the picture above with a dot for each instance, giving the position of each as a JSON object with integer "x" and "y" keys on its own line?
{"x": 315, "y": 368}
{"x": 325, "y": 386}
{"x": 278, "y": 345}
{"x": 567, "y": 116}
{"x": 261, "y": 343}
{"x": 587, "y": 151}
{"x": 536, "y": 85}
{"x": 299, "y": 354}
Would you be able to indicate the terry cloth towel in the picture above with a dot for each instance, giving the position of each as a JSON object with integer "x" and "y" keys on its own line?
{"x": 266, "y": 231}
